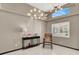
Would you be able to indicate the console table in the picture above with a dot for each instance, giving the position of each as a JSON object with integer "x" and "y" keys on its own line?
{"x": 31, "y": 43}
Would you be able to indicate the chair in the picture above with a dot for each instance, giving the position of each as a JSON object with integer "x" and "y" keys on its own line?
{"x": 47, "y": 40}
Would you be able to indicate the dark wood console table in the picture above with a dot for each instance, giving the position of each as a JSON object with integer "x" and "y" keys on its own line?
{"x": 31, "y": 43}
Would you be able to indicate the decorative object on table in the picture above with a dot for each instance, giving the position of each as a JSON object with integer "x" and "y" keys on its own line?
{"x": 35, "y": 34}
{"x": 29, "y": 34}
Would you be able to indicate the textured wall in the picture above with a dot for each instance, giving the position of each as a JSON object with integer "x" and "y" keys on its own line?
{"x": 10, "y": 29}
{"x": 73, "y": 41}
{"x": 74, "y": 32}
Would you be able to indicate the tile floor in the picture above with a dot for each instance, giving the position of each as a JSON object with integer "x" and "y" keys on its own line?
{"x": 38, "y": 50}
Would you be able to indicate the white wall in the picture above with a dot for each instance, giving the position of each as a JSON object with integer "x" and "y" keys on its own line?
{"x": 73, "y": 41}
{"x": 10, "y": 29}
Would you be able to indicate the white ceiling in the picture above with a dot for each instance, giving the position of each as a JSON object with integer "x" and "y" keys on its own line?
{"x": 45, "y": 6}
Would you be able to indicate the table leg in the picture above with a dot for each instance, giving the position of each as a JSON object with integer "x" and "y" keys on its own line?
{"x": 22, "y": 44}
{"x": 38, "y": 41}
{"x": 31, "y": 42}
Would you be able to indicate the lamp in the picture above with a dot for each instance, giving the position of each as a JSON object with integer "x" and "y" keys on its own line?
{"x": 37, "y": 14}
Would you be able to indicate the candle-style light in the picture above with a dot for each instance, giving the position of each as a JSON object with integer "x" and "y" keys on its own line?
{"x": 36, "y": 14}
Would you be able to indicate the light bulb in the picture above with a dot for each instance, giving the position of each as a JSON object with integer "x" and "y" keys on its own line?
{"x": 39, "y": 17}
{"x": 34, "y": 9}
{"x": 34, "y": 15}
{"x": 31, "y": 10}
{"x": 39, "y": 11}
{"x": 41, "y": 14}
{"x": 28, "y": 14}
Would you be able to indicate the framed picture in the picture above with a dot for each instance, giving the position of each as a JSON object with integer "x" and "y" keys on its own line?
{"x": 61, "y": 29}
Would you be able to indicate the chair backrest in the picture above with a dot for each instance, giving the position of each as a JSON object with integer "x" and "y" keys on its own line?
{"x": 48, "y": 37}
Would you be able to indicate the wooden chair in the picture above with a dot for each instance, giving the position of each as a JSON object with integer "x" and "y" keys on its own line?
{"x": 47, "y": 40}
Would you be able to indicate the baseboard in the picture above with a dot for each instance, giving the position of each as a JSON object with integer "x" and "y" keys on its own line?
{"x": 17, "y": 49}
{"x": 66, "y": 46}
{"x": 40, "y": 43}
{"x": 10, "y": 51}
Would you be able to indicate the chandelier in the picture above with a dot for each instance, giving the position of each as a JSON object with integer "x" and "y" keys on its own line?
{"x": 37, "y": 14}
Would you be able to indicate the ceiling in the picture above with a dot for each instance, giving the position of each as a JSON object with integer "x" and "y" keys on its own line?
{"x": 46, "y": 6}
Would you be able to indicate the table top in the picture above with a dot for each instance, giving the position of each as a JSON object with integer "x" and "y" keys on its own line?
{"x": 30, "y": 37}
